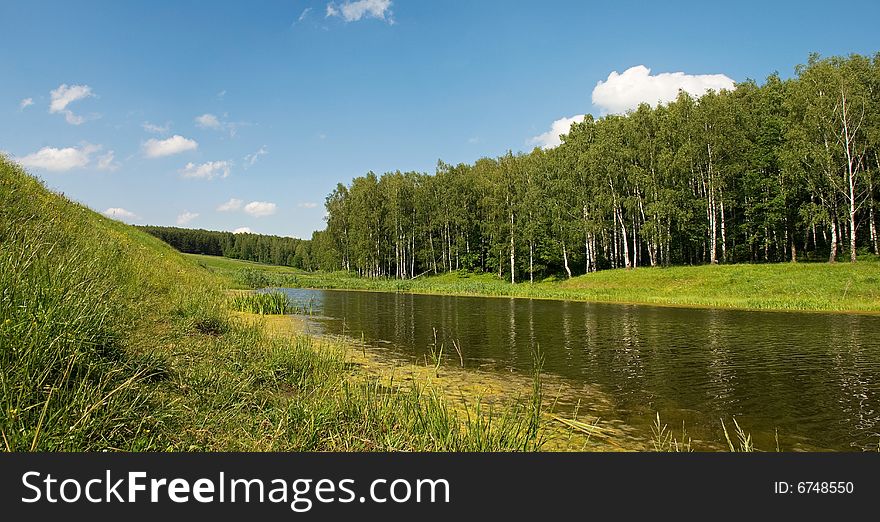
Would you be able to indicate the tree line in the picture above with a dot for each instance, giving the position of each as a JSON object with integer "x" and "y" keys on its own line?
{"x": 276, "y": 250}
{"x": 783, "y": 171}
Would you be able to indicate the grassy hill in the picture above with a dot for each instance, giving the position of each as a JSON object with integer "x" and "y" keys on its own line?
{"x": 109, "y": 339}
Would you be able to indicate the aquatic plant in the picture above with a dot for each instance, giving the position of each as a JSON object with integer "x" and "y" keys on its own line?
{"x": 261, "y": 303}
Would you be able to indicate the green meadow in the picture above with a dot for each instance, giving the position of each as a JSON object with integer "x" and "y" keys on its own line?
{"x": 827, "y": 287}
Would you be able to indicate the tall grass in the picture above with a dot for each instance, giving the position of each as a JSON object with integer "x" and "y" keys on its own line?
{"x": 261, "y": 303}
{"x": 66, "y": 383}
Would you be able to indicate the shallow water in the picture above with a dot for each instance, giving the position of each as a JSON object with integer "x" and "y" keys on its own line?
{"x": 813, "y": 379}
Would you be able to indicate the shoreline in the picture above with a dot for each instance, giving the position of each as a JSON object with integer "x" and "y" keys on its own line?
{"x": 685, "y": 306}
{"x": 750, "y": 288}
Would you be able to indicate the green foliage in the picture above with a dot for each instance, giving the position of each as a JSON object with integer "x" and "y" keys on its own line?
{"x": 785, "y": 171}
{"x": 260, "y": 248}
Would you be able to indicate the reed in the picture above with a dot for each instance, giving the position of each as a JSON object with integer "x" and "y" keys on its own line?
{"x": 261, "y": 303}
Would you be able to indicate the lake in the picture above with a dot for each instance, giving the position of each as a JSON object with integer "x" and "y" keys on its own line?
{"x": 810, "y": 379}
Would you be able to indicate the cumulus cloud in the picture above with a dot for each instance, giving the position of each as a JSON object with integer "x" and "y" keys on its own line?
{"x": 250, "y": 159}
{"x": 243, "y": 230}
{"x": 55, "y": 159}
{"x": 360, "y": 9}
{"x": 307, "y": 204}
{"x": 622, "y": 92}
{"x": 231, "y": 205}
{"x": 209, "y": 170}
{"x": 107, "y": 161}
{"x": 186, "y": 217}
{"x": 176, "y": 144}
{"x": 156, "y": 129}
{"x": 25, "y": 103}
{"x": 63, "y": 96}
{"x": 260, "y": 208}
{"x": 551, "y": 139}
{"x": 119, "y": 213}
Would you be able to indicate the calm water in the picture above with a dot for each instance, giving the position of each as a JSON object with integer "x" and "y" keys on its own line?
{"x": 813, "y": 378}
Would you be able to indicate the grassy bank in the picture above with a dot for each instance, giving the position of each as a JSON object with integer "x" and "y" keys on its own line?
{"x": 109, "y": 339}
{"x": 840, "y": 287}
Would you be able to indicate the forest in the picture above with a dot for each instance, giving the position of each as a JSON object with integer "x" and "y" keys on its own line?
{"x": 276, "y": 250}
{"x": 785, "y": 171}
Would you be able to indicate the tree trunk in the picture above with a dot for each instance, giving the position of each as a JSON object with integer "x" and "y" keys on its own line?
{"x": 512, "y": 253}
{"x": 531, "y": 261}
{"x": 624, "y": 241}
{"x": 872, "y": 204}
{"x": 832, "y": 257}
{"x": 565, "y": 260}
{"x": 711, "y": 210}
{"x": 723, "y": 230}
{"x": 635, "y": 246}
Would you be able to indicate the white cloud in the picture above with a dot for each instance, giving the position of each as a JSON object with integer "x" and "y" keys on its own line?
{"x": 27, "y": 102}
{"x": 63, "y": 96}
{"x": 212, "y": 122}
{"x": 360, "y": 9}
{"x": 550, "y": 139}
{"x": 307, "y": 204}
{"x": 243, "y": 230}
{"x": 260, "y": 208}
{"x": 119, "y": 213}
{"x": 622, "y": 92}
{"x": 156, "y": 129}
{"x": 186, "y": 217}
{"x": 176, "y": 144}
{"x": 221, "y": 94}
{"x": 250, "y": 159}
{"x": 54, "y": 159}
{"x": 107, "y": 161}
{"x": 231, "y": 205}
{"x": 208, "y": 121}
{"x": 209, "y": 170}
{"x": 304, "y": 14}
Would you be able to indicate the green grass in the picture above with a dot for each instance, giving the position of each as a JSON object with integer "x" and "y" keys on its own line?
{"x": 111, "y": 340}
{"x": 262, "y": 304}
{"x": 840, "y": 287}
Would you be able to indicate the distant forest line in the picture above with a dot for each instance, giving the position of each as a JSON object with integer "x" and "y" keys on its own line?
{"x": 275, "y": 250}
{"x": 783, "y": 171}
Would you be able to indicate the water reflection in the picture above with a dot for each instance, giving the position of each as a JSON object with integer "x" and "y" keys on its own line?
{"x": 814, "y": 377}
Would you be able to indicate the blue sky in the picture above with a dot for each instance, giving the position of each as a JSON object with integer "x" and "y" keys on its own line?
{"x": 265, "y": 106}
